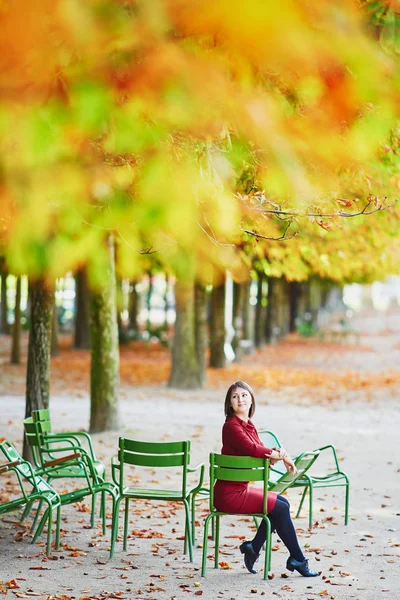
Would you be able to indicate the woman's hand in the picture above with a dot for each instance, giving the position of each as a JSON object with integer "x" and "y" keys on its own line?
{"x": 276, "y": 455}
{"x": 290, "y": 466}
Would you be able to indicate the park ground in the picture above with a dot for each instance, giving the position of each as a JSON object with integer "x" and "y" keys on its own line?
{"x": 310, "y": 392}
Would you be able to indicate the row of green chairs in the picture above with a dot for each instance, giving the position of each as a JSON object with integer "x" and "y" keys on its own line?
{"x": 64, "y": 455}
{"x": 71, "y": 455}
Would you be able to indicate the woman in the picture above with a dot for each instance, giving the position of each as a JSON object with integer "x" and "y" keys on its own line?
{"x": 240, "y": 438}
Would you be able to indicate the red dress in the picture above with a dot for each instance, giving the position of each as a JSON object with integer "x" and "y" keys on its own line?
{"x": 241, "y": 439}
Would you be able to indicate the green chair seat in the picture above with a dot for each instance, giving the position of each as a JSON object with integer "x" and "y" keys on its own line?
{"x": 167, "y": 495}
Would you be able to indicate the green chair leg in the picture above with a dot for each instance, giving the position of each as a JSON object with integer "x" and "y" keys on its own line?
{"x": 346, "y": 510}
{"x": 27, "y": 511}
{"x": 217, "y": 531}
{"x": 193, "y": 518}
{"x": 188, "y": 533}
{"x": 103, "y": 512}
{"x": 301, "y": 501}
{"x": 205, "y": 545}
{"x": 310, "y": 510}
{"x": 36, "y": 519}
{"x": 58, "y": 526}
{"x": 114, "y": 526}
{"x": 46, "y": 518}
{"x": 126, "y": 523}
{"x": 268, "y": 548}
{"x": 92, "y": 517}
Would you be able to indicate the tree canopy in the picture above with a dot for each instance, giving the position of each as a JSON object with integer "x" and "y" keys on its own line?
{"x": 176, "y": 125}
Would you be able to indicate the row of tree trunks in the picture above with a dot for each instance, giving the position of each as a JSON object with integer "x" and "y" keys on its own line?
{"x": 104, "y": 376}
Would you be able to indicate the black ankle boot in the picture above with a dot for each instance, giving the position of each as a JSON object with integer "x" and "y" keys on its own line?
{"x": 250, "y": 555}
{"x": 301, "y": 567}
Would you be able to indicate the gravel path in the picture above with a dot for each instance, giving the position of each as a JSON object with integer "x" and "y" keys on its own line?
{"x": 360, "y": 561}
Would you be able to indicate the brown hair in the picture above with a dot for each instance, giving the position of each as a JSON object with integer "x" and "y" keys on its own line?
{"x": 227, "y": 406}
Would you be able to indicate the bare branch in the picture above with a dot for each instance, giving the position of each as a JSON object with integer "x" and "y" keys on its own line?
{"x": 284, "y": 236}
{"x": 293, "y": 213}
{"x": 146, "y": 251}
{"x": 212, "y": 237}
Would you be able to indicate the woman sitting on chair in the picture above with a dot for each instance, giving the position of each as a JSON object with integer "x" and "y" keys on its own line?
{"x": 240, "y": 438}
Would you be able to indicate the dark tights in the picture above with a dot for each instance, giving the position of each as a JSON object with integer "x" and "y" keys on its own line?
{"x": 282, "y": 523}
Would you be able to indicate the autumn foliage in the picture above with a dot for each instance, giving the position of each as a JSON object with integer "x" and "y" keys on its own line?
{"x": 141, "y": 118}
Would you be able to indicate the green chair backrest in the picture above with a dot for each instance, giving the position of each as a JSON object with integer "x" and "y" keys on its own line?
{"x": 239, "y": 469}
{"x": 154, "y": 454}
{"x": 23, "y": 468}
{"x": 34, "y": 440}
{"x": 41, "y": 414}
{"x": 270, "y": 440}
{"x": 41, "y": 418}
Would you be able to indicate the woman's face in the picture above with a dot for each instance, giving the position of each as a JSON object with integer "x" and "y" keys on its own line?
{"x": 241, "y": 402}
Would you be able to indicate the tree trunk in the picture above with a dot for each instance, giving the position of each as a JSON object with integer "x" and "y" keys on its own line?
{"x": 122, "y": 328}
{"x": 166, "y": 302}
{"x": 55, "y": 351}
{"x": 185, "y": 371}
{"x": 217, "y": 326}
{"x": 82, "y": 335}
{"x": 247, "y": 334}
{"x": 104, "y": 368}
{"x": 38, "y": 368}
{"x": 200, "y": 327}
{"x": 148, "y": 300}
{"x": 16, "y": 333}
{"x": 237, "y": 318}
{"x": 284, "y": 308}
{"x": 294, "y": 297}
{"x": 133, "y": 309}
{"x": 259, "y": 319}
{"x": 4, "y": 326}
{"x": 272, "y": 324}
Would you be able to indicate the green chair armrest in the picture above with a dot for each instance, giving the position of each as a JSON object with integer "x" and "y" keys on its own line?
{"x": 71, "y": 437}
{"x": 200, "y": 466}
{"x": 61, "y": 460}
{"x": 115, "y": 466}
{"x": 6, "y": 466}
{"x": 330, "y": 447}
{"x": 75, "y": 436}
{"x": 84, "y": 461}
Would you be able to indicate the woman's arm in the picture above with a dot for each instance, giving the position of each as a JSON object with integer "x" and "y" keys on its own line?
{"x": 235, "y": 437}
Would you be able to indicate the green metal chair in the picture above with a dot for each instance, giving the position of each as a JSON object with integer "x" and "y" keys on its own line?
{"x": 153, "y": 454}
{"x": 76, "y": 439}
{"x": 52, "y": 462}
{"x": 39, "y": 491}
{"x": 334, "y": 478}
{"x": 236, "y": 468}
